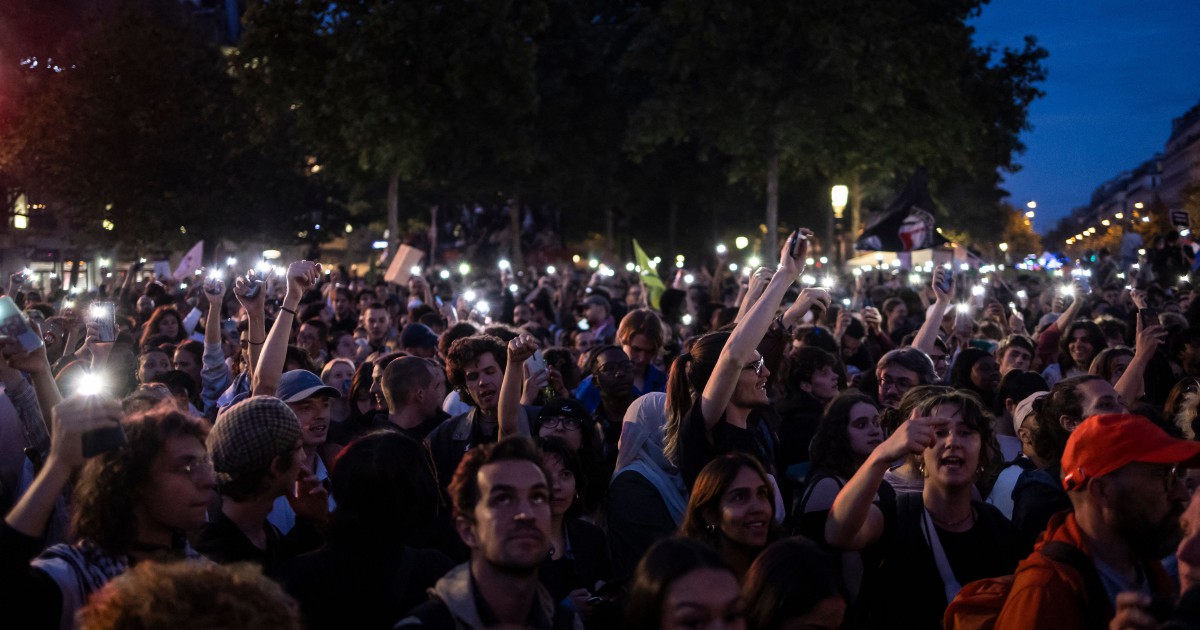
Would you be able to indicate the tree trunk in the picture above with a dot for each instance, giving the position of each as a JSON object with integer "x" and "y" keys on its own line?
{"x": 393, "y": 213}
{"x": 433, "y": 235}
{"x": 514, "y": 216}
{"x": 856, "y": 197}
{"x": 771, "y": 247}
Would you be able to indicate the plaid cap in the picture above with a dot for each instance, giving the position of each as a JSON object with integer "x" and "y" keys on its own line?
{"x": 249, "y": 434}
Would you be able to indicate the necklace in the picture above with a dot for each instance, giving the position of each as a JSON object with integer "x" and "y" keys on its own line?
{"x": 952, "y": 524}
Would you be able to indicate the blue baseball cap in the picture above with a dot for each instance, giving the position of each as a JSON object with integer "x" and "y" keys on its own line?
{"x": 298, "y": 385}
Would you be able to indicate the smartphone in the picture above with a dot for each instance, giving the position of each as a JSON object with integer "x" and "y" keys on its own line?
{"x": 14, "y": 325}
{"x": 947, "y": 279}
{"x": 103, "y": 316}
{"x": 536, "y": 363}
{"x": 797, "y": 240}
{"x": 1149, "y": 316}
{"x": 105, "y": 440}
{"x": 255, "y": 277}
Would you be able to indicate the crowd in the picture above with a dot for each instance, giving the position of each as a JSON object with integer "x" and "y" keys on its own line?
{"x": 562, "y": 449}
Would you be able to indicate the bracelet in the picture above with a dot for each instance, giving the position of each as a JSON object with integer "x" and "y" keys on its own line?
{"x": 286, "y": 309}
{"x": 254, "y": 343}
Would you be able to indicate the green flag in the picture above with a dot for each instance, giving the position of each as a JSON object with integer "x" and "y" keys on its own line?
{"x": 654, "y": 284}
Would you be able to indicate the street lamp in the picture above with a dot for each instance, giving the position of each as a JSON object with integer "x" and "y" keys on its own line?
{"x": 838, "y": 196}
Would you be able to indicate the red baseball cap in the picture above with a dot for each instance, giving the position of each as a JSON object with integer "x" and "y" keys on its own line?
{"x": 1102, "y": 444}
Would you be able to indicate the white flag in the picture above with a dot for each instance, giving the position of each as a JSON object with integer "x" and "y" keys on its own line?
{"x": 190, "y": 261}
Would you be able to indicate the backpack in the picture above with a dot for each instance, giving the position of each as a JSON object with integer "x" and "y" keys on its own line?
{"x": 978, "y": 604}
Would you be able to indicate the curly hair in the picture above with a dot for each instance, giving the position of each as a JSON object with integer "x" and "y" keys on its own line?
{"x": 191, "y": 595}
{"x": 830, "y": 446}
{"x": 975, "y": 416}
{"x": 1094, "y": 336}
{"x": 110, "y": 485}
{"x": 466, "y": 351}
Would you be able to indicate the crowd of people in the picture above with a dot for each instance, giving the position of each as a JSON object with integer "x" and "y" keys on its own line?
{"x": 561, "y": 448}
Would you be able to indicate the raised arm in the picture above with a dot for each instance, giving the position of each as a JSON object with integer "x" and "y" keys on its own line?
{"x": 854, "y": 521}
{"x": 301, "y": 275}
{"x": 758, "y": 283}
{"x": 256, "y": 319}
{"x": 37, "y": 366}
{"x": 739, "y": 350}
{"x": 72, "y": 418}
{"x": 215, "y": 375}
{"x": 1132, "y": 384}
{"x": 924, "y": 341}
{"x": 512, "y": 418}
{"x": 1069, "y": 313}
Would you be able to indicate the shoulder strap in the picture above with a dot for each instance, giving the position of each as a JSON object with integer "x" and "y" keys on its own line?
{"x": 1098, "y": 608}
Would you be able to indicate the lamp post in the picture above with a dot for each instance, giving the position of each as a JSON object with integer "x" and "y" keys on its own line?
{"x": 838, "y": 195}
{"x": 1004, "y": 250}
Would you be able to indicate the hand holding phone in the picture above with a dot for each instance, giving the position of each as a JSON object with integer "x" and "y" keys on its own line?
{"x": 103, "y": 315}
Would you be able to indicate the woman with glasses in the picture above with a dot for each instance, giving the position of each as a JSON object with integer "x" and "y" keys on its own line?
{"x": 132, "y": 503}
{"x": 717, "y": 389}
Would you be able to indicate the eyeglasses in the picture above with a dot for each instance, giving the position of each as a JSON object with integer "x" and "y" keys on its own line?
{"x": 757, "y": 366}
{"x": 199, "y": 470}
{"x": 901, "y": 384}
{"x": 563, "y": 422}
{"x": 616, "y": 367}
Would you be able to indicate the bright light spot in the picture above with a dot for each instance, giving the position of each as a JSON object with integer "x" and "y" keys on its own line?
{"x": 824, "y": 260}
{"x": 512, "y": 288}
{"x": 654, "y": 263}
{"x": 964, "y": 267}
{"x": 721, "y": 249}
{"x": 464, "y": 269}
{"x": 807, "y": 279}
{"x": 575, "y": 258}
{"x": 629, "y": 266}
{"x": 271, "y": 254}
{"x": 1145, "y": 219}
{"x": 686, "y": 319}
{"x": 469, "y": 295}
{"x": 914, "y": 279}
{"x": 857, "y": 272}
{"x": 1023, "y": 294}
{"x": 444, "y": 274}
{"x": 550, "y": 271}
{"x": 846, "y": 302}
{"x": 593, "y": 263}
{"x": 733, "y": 266}
{"x": 679, "y": 264}
{"x": 741, "y": 242}
{"x": 1141, "y": 252}
{"x": 963, "y": 307}
{"x": 829, "y": 281}
{"x": 263, "y": 266}
{"x": 106, "y": 224}
{"x": 349, "y": 228}
{"x": 415, "y": 270}
{"x": 1003, "y": 247}
{"x": 317, "y": 226}
{"x": 1105, "y": 222}
{"x": 753, "y": 261}
{"x": 1066, "y": 290}
{"x": 689, "y": 278}
{"x": 379, "y": 245}
{"x": 607, "y": 271}
{"x": 483, "y": 307}
{"x": 1139, "y": 205}
{"x": 504, "y": 265}
{"x": 1119, "y": 215}
{"x": 90, "y": 384}
{"x": 809, "y": 261}
{"x": 1029, "y": 215}
{"x": 977, "y": 290}
{"x": 215, "y": 274}
{"x": 230, "y": 261}
{"x": 1032, "y": 205}
{"x": 878, "y": 258}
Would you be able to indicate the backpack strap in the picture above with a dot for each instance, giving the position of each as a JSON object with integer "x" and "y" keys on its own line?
{"x": 1097, "y": 609}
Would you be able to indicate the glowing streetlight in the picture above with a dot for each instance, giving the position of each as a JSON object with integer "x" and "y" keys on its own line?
{"x": 838, "y": 196}
{"x": 1139, "y": 205}
{"x": 1032, "y": 205}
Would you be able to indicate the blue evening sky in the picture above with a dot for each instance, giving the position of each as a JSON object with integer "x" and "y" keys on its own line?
{"x": 1119, "y": 71}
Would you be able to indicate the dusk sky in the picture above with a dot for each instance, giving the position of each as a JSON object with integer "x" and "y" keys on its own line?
{"x": 1119, "y": 72}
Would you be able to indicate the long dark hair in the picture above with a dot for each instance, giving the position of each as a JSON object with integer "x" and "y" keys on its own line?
{"x": 788, "y": 579}
{"x": 111, "y": 484}
{"x": 689, "y": 375}
{"x": 664, "y": 563}
{"x": 385, "y": 487}
{"x": 1095, "y": 337}
{"x": 150, "y": 329}
{"x": 830, "y": 446}
{"x": 711, "y": 484}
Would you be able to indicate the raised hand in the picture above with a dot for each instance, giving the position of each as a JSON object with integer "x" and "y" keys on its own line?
{"x": 302, "y": 275}
{"x": 75, "y": 416}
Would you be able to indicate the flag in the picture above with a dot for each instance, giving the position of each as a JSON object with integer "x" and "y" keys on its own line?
{"x": 906, "y": 225}
{"x": 190, "y": 261}
{"x": 654, "y": 284}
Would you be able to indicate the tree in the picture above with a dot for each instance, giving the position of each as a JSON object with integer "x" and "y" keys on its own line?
{"x": 427, "y": 96}
{"x": 138, "y": 125}
{"x": 857, "y": 89}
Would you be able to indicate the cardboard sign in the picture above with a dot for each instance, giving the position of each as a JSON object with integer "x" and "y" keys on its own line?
{"x": 400, "y": 269}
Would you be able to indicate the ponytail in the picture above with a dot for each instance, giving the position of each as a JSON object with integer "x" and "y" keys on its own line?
{"x": 679, "y": 404}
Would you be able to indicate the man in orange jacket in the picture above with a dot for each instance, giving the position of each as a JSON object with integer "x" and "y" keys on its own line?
{"x": 1124, "y": 477}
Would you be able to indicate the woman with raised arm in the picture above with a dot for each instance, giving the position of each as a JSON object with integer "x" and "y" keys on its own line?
{"x": 717, "y": 388}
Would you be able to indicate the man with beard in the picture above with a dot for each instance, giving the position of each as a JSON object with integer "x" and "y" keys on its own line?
{"x": 501, "y": 498}
{"x": 1126, "y": 481}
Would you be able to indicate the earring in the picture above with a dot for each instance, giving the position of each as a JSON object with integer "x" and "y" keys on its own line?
{"x": 710, "y": 528}
{"x": 921, "y": 467}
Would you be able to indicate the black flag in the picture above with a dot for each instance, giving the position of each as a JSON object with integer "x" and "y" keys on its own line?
{"x": 906, "y": 225}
